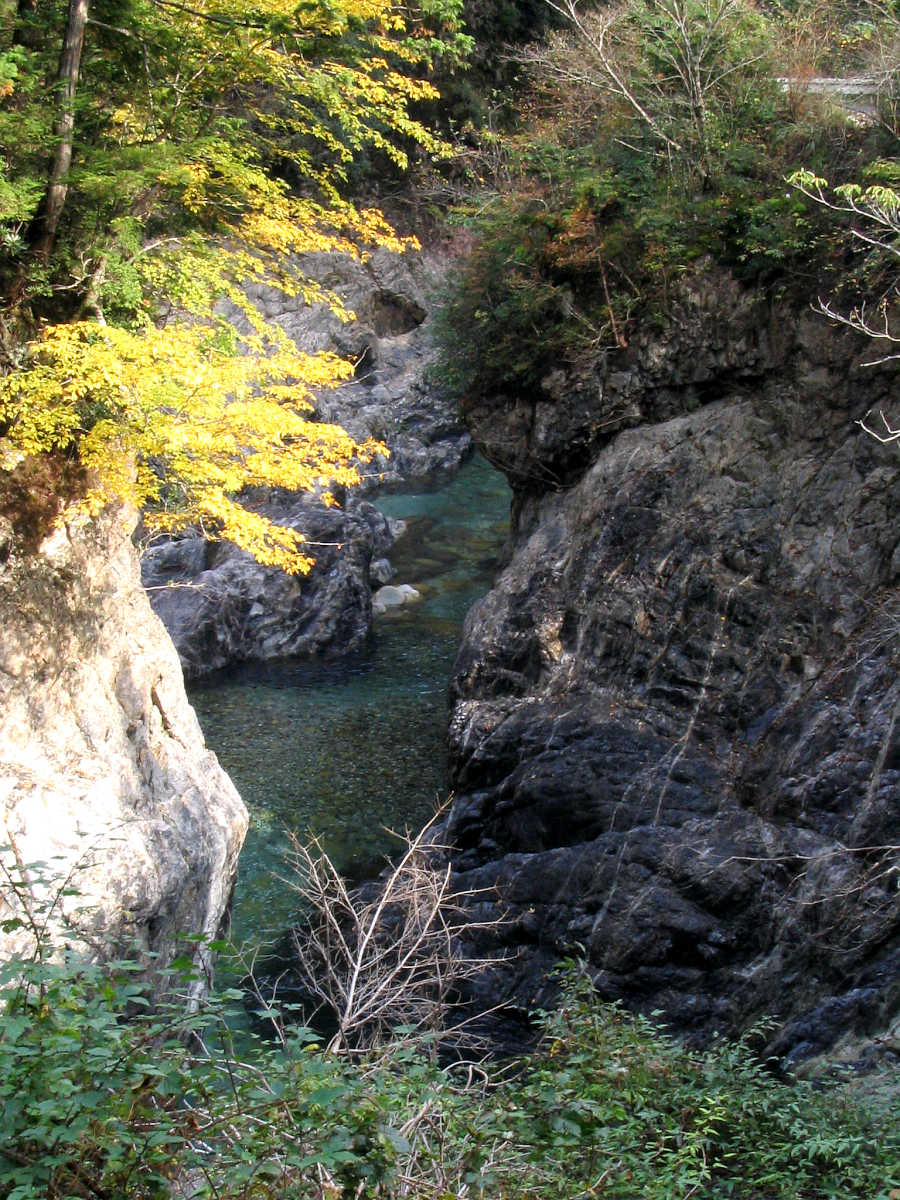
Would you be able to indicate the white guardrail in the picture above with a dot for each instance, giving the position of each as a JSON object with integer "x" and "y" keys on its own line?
{"x": 857, "y": 93}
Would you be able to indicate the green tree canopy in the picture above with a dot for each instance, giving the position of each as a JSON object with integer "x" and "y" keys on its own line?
{"x": 157, "y": 155}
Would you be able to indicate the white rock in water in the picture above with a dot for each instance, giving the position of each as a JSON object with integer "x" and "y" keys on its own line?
{"x": 393, "y": 596}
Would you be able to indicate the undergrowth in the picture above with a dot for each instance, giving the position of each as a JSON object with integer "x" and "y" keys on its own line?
{"x": 587, "y": 216}
{"x": 106, "y": 1095}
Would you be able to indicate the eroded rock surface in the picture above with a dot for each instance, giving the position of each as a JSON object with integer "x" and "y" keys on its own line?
{"x": 105, "y": 778}
{"x": 221, "y": 606}
{"x": 218, "y": 604}
{"x": 392, "y": 397}
{"x": 675, "y": 741}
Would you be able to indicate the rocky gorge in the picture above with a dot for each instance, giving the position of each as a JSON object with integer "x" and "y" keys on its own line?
{"x": 674, "y": 740}
{"x": 674, "y": 744}
{"x": 222, "y": 607}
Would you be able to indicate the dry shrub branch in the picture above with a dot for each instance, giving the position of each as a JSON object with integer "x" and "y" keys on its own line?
{"x": 388, "y": 960}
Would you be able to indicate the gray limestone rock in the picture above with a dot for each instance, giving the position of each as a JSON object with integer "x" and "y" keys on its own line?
{"x": 392, "y": 397}
{"x": 105, "y": 778}
{"x": 221, "y": 607}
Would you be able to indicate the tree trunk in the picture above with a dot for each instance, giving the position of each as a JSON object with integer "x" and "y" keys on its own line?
{"x": 43, "y": 231}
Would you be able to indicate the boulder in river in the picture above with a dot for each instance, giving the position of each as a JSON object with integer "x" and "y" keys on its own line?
{"x": 394, "y": 597}
{"x": 220, "y": 606}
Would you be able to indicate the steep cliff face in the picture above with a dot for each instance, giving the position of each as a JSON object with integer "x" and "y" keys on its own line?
{"x": 675, "y": 740}
{"x": 105, "y": 779}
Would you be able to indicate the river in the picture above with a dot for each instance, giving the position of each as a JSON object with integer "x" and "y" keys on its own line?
{"x": 350, "y": 748}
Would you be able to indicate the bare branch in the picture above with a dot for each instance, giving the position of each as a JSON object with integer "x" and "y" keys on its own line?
{"x": 879, "y": 207}
{"x": 595, "y": 35}
{"x": 891, "y": 433}
{"x": 386, "y": 958}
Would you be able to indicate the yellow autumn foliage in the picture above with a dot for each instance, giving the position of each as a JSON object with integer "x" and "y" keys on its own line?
{"x": 174, "y": 420}
{"x": 209, "y": 144}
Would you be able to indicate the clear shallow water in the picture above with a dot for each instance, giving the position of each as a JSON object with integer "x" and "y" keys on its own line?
{"x": 350, "y": 748}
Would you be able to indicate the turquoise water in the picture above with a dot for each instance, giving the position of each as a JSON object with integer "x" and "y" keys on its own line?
{"x": 354, "y": 747}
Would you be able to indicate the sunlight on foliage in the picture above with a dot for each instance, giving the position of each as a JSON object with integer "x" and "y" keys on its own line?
{"x": 183, "y": 154}
{"x": 173, "y": 418}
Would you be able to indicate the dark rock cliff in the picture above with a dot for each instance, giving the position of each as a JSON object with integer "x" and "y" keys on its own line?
{"x": 675, "y": 741}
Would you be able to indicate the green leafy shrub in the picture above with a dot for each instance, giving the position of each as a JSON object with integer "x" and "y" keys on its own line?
{"x": 546, "y": 283}
{"x": 105, "y": 1095}
{"x": 618, "y": 1109}
{"x": 596, "y": 209}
